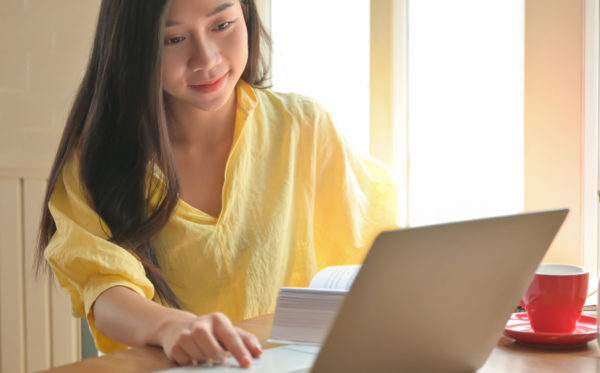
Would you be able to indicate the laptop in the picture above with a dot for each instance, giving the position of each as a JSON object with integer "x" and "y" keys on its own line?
{"x": 427, "y": 299}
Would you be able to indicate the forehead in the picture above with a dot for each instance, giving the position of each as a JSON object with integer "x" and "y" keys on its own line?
{"x": 181, "y": 9}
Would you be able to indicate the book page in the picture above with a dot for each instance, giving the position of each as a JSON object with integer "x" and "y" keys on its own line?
{"x": 335, "y": 277}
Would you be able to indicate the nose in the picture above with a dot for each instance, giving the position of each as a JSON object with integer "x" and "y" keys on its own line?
{"x": 205, "y": 56}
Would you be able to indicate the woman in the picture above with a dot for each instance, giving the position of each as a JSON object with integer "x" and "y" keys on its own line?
{"x": 183, "y": 195}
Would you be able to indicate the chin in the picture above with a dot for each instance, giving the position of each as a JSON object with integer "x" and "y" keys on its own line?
{"x": 212, "y": 103}
{"x": 210, "y": 106}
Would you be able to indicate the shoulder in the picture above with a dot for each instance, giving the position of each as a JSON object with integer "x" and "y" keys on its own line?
{"x": 295, "y": 106}
{"x": 280, "y": 114}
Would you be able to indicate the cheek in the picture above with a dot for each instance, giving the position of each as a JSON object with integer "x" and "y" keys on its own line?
{"x": 172, "y": 68}
{"x": 239, "y": 48}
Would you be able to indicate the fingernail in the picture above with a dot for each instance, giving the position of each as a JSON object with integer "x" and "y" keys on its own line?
{"x": 246, "y": 360}
{"x": 194, "y": 362}
{"x": 258, "y": 347}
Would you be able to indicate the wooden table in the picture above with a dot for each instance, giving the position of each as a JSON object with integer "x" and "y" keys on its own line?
{"x": 507, "y": 356}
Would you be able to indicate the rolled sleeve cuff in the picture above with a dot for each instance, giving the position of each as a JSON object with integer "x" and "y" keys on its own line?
{"x": 92, "y": 291}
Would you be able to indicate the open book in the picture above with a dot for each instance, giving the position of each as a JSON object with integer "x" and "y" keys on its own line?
{"x": 303, "y": 315}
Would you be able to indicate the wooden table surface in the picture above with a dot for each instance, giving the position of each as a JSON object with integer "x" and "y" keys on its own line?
{"x": 507, "y": 356}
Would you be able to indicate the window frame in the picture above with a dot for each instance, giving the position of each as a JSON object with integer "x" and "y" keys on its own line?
{"x": 590, "y": 141}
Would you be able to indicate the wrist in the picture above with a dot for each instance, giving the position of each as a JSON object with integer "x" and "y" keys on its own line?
{"x": 168, "y": 320}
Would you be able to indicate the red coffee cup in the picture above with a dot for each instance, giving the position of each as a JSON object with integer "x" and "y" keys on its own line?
{"x": 555, "y": 297}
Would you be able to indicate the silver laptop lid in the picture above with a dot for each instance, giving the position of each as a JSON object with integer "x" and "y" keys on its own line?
{"x": 436, "y": 298}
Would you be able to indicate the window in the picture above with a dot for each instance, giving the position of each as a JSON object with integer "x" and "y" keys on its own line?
{"x": 465, "y": 109}
{"x": 465, "y": 94}
{"x": 322, "y": 50}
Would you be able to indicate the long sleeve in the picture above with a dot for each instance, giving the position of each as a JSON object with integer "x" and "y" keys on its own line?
{"x": 82, "y": 258}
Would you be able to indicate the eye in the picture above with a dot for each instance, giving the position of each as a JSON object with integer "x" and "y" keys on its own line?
{"x": 174, "y": 40}
{"x": 224, "y": 25}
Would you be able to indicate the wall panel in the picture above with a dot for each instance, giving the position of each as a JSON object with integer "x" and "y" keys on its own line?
{"x": 37, "y": 294}
{"x": 12, "y": 333}
{"x": 37, "y": 331}
{"x": 44, "y": 48}
{"x": 554, "y": 31}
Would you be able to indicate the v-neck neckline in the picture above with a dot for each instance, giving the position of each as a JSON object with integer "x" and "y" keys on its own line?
{"x": 246, "y": 102}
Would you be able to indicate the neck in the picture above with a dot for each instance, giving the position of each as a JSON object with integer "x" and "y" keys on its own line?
{"x": 192, "y": 127}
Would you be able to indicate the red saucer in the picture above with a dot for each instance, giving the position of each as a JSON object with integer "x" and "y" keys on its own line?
{"x": 518, "y": 327}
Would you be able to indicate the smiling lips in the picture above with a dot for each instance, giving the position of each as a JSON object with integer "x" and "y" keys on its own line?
{"x": 210, "y": 86}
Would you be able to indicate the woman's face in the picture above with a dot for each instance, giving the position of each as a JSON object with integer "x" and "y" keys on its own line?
{"x": 205, "y": 52}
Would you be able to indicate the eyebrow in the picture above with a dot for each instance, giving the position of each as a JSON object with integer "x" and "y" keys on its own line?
{"x": 217, "y": 10}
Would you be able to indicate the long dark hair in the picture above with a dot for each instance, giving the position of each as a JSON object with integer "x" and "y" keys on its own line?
{"x": 118, "y": 122}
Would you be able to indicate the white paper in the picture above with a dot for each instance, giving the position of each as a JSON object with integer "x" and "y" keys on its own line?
{"x": 335, "y": 277}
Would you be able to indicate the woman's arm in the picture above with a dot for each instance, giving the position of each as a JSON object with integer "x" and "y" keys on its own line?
{"x": 131, "y": 319}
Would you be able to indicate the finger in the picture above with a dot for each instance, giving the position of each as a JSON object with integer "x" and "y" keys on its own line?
{"x": 207, "y": 343}
{"x": 180, "y": 356}
{"x": 188, "y": 345}
{"x": 228, "y": 335}
{"x": 251, "y": 342}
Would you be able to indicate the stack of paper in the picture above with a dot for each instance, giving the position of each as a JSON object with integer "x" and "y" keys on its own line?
{"x": 303, "y": 315}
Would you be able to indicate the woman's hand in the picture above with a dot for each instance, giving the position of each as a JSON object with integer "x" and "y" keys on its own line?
{"x": 190, "y": 339}
{"x": 129, "y": 318}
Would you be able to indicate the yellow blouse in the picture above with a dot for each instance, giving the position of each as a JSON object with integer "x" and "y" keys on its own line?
{"x": 295, "y": 200}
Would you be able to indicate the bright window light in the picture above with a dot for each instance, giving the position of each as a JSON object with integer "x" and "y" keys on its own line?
{"x": 321, "y": 49}
{"x": 465, "y": 63}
